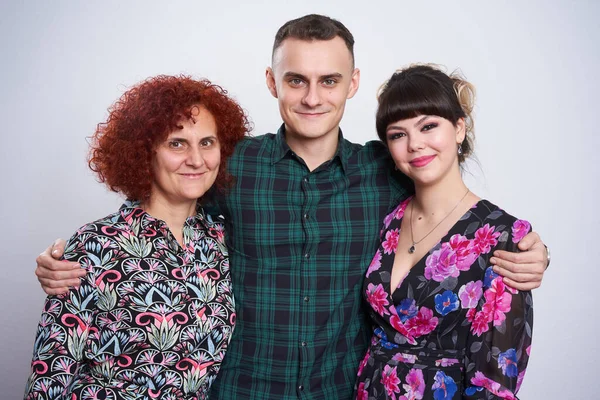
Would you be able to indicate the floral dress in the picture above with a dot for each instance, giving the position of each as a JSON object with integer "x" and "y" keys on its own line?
{"x": 452, "y": 329}
{"x": 150, "y": 320}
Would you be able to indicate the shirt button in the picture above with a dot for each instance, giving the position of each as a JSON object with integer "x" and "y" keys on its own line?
{"x": 303, "y": 344}
{"x": 306, "y": 299}
{"x": 305, "y": 216}
{"x": 305, "y": 180}
{"x": 307, "y": 256}
{"x": 300, "y": 387}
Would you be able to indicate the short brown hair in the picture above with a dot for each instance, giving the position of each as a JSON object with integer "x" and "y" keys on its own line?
{"x": 123, "y": 147}
{"x": 314, "y": 27}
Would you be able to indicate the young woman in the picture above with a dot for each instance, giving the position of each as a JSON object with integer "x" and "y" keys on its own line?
{"x": 445, "y": 325}
{"x": 154, "y": 313}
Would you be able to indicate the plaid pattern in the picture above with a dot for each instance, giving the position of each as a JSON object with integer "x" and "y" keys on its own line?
{"x": 299, "y": 245}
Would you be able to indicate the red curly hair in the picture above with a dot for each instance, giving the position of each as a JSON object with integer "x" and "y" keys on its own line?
{"x": 123, "y": 147}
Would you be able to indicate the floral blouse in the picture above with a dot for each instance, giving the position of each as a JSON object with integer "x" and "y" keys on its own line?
{"x": 151, "y": 319}
{"x": 452, "y": 329}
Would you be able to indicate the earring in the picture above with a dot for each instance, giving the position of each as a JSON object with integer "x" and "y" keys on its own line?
{"x": 460, "y": 149}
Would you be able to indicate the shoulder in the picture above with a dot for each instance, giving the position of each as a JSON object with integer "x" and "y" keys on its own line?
{"x": 254, "y": 143}
{"x": 369, "y": 159}
{"x": 95, "y": 227}
{"x": 251, "y": 150}
{"x": 508, "y": 228}
{"x": 490, "y": 212}
{"x": 105, "y": 226}
{"x": 374, "y": 151}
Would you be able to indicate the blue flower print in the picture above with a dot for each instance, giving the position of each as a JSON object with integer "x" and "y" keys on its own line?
{"x": 443, "y": 387}
{"x": 508, "y": 362}
{"x": 383, "y": 340}
{"x": 471, "y": 390}
{"x": 407, "y": 309}
{"x": 380, "y": 333}
{"x": 446, "y": 302}
{"x": 489, "y": 276}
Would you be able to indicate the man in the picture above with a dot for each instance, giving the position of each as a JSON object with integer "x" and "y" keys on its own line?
{"x": 303, "y": 221}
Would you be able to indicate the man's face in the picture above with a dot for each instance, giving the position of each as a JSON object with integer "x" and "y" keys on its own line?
{"x": 311, "y": 81}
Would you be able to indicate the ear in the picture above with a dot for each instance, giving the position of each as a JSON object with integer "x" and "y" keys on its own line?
{"x": 270, "y": 78}
{"x": 461, "y": 131}
{"x": 354, "y": 83}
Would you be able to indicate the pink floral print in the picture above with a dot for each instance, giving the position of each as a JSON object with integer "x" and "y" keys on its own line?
{"x": 520, "y": 228}
{"x": 377, "y": 298}
{"x": 470, "y": 293}
{"x": 450, "y": 319}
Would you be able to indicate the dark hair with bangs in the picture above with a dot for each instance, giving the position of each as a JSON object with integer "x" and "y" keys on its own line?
{"x": 426, "y": 90}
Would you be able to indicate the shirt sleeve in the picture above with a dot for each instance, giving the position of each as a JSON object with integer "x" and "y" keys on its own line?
{"x": 498, "y": 347}
{"x": 63, "y": 330}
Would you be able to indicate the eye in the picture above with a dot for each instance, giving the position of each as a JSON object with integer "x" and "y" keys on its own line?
{"x": 329, "y": 82}
{"x": 175, "y": 144}
{"x": 395, "y": 135}
{"x": 207, "y": 142}
{"x": 295, "y": 82}
{"x": 430, "y": 126}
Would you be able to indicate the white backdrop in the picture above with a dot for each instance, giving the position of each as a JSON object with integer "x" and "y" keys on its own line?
{"x": 535, "y": 65}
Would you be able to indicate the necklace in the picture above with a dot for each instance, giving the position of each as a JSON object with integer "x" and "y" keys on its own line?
{"x": 413, "y": 248}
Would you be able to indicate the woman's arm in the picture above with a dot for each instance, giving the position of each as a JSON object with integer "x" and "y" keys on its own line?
{"x": 63, "y": 330}
{"x": 501, "y": 328}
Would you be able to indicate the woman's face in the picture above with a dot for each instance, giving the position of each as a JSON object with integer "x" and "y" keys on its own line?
{"x": 425, "y": 147}
{"x": 186, "y": 164}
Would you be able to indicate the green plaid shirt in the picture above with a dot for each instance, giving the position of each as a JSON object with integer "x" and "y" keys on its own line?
{"x": 299, "y": 245}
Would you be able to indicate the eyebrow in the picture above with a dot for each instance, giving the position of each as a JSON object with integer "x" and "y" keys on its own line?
{"x": 415, "y": 125}
{"x": 421, "y": 120}
{"x": 182, "y": 139}
{"x": 322, "y": 77}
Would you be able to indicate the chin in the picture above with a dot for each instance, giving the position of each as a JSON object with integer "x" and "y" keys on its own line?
{"x": 423, "y": 179}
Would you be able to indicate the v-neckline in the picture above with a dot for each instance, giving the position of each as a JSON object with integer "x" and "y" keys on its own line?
{"x": 391, "y": 292}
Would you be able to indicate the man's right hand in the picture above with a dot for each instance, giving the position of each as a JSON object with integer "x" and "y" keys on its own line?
{"x": 57, "y": 275}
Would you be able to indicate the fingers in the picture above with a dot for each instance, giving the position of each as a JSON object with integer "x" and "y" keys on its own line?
{"x": 54, "y": 292}
{"x": 521, "y": 276}
{"x": 45, "y": 262}
{"x": 53, "y": 284}
{"x": 514, "y": 261}
{"x": 522, "y": 286}
{"x": 58, "y": 248}
{"x": 518, "y": 276}
{"x": 59, "y": 277}
{"x": 528, "y": 241}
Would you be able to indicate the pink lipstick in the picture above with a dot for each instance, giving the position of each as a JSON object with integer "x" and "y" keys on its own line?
{"x": 421, "y": 161}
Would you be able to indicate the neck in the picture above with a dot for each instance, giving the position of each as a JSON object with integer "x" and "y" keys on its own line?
{"x": 440, "y": 197}
{"x": 174, "y": 214}
{"x": 314, "y": 151}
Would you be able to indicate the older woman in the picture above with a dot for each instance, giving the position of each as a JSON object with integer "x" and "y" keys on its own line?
{"x": 153, "y": 315}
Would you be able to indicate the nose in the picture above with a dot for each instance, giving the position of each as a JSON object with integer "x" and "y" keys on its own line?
{"x": 312, "y": 97}
{"x": 415, "y": 142}
{"x": 195, "y": 157}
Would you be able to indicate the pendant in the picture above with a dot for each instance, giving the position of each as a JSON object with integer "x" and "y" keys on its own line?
{"x": 412, "y": 249}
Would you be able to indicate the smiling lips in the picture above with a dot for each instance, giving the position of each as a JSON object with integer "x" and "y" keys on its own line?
{"x": 311, "y": 114}
{"x": 421, "y": 161}
{"x": 192, "y": 176}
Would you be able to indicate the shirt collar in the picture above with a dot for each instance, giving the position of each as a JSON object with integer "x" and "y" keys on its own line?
{"x": 282, "y": 149}
{"x": 141, "y": 221}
